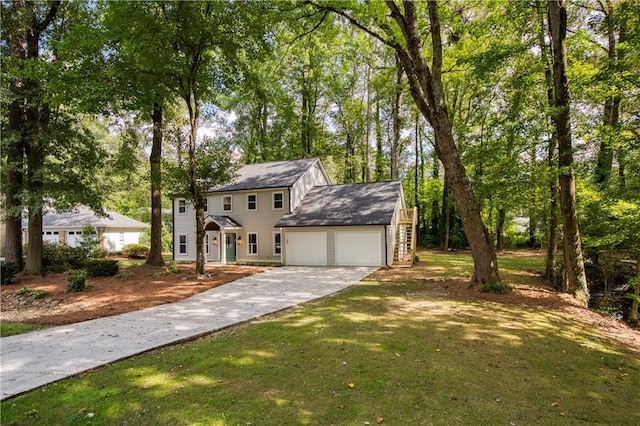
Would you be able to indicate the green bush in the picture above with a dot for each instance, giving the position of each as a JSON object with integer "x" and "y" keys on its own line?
{"x": 101, "y": 267}
{"x": 61, "y": 257}
{"x": 135, "y": 251}
{"x": 500, "y": 288}
{"x": 76, "y": 280}
{"x": 8, "y": 270}
{"x": 35, "y": 294}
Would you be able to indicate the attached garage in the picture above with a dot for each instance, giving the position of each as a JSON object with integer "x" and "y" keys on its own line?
{"x": 343, "y": 225}
{"x": 306, "y": 248}
{"x": 359, "y": 248}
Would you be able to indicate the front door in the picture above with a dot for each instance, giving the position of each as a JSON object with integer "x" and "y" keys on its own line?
{"x": 230, "y": 247}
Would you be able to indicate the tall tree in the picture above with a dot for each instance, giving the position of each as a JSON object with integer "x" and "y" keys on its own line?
{"x": 575, "y": 279}
{"x": 426, "y": 87}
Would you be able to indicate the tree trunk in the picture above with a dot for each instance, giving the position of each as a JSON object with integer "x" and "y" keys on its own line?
{"x": 552, "y": 232}
{"x": 500, "y": 232}
{"x": 155, "y": 251}
{"x": 367, "y": 147}
{"x": 575, "y": 280}
{"x": 397, "y": 104}
{"x": 445, "y": 216}
{"x": 633, "y": 315}
{"x": 14, "y": 138}
{"x": 379, "y": 152}
{"x": 611, "y": 112}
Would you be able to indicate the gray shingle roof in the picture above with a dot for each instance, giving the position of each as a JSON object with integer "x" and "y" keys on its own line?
{"x": 268, "y": 175}
{"x": 350, "y": 204}
{"x": 224, "y": 222}
{"x": 82, "y": 215}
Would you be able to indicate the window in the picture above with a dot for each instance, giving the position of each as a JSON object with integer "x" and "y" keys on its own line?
{"x": 252, "y": 202}
{"x": 182, "y": 206}
{"x": 278, "y": 200}
{"x": 206, "y": 244}
{"x": 226, "y": 203}
{"x": 206, "y": 205}
{"x": 252, "y": 245}
{"x": 182, "y": 244}
{"x": 277, "y": 243}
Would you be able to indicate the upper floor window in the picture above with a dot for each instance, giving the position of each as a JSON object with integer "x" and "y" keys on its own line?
{"x": 182, "y": 206}
{"x": 278, "y": 200}
{"x": 252, "y": 201}
{"x": 226, "y": 203}
{"x": 206, "y": 204}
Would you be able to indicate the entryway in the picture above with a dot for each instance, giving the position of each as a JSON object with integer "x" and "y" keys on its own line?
{"x": 230, "y": 247}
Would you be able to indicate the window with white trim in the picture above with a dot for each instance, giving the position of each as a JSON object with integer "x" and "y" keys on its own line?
{"x": 252, "y": 202}
{"x": 252, "y": 243}
{"x": 182, "y": 244}
{"x": 277, "y": 243}
{"x": 227, "y": 204}
{"x": 206, "y": 244}
{"x": 206, "y": 205}
{"x": 278, "y": 200}
{"x": 182, "y": 206}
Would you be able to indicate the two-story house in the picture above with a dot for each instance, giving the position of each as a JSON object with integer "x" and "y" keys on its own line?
{"x": 289, "y": 212}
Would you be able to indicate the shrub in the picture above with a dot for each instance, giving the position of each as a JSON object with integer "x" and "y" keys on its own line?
{"x": 7, "y": 271}
{"x": 61, "y": 257}
{"x": 499, "y": 288}
{"x": 35, "y": 294}
{"x": 173, "y": 268}
{"x": 101, "y": 267}
{"x": 76, "y": 280}
{"x": 135, "y": 251}
{"x": 125, "y": 275}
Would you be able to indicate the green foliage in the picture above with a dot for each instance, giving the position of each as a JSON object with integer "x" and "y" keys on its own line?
{"x": 136, "y": 251}
{"x": 101, "y": 267}
{"x": 13, "y": 328}
{"x": 76, "y": 280}
{"x": 125, "y": 275}
{"x": 34, "y": 294}
{"x": 89, "y": 242}
{"x": 61, "y": 257}
{"x": 499, "y": 288}
{"x": 172, "y": 268}
{"x": 7, "y": 271}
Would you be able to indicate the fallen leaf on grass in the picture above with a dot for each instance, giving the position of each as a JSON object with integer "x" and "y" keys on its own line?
{"x": 555, "y": 404}
{"x": 379, "y": 420}
{"x": 341, "y": 406}
{"x": 351, "y": 385}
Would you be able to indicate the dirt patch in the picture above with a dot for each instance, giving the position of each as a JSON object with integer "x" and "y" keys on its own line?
{"x": 536, "y": 294}
{"x": 137, "y": 288}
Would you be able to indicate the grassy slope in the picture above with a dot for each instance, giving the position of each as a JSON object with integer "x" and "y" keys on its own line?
{"x": 415, "y": 356}
{"x": 13, "y": 328}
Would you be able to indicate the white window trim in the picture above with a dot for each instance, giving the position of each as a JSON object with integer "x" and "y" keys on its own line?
{"x": 185, "y": 206}
{"x": 273, "y": 201}
{"x": 206, "y": 204}
{"x": 252, "y": 210}
{"x": 249, "y": 244}
{"x": 186, "y": 245}
{"x": 274, "y": 243}
{"x": 230, "y": 203}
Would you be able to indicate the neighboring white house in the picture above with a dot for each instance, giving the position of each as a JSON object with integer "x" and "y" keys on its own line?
{"x": 114, "y": 229}
{"x": 289, "y": 212}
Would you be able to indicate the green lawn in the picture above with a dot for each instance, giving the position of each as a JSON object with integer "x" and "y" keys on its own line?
{"x": 413, "y": 355}
{"x": 13, "y": 328}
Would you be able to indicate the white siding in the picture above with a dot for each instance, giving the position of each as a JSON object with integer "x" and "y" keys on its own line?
{"x": 115, "y": 239}
{"x": 315, "y": 176}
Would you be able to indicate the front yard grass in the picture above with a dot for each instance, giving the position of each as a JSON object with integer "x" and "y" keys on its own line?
{"x": 13, "y": 328}
{"x": 398, "y": 352}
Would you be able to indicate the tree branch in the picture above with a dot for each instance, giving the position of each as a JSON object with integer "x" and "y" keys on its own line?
{"x": 40, "y": 26}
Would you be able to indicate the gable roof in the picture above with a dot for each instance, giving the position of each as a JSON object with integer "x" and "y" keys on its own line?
{"x": 277, "y": 174}
{"x": 83, "y": 215}
{"x": 350, "y": 204}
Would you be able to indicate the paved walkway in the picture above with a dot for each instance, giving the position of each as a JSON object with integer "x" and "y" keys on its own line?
{"x": 31, "y": 360}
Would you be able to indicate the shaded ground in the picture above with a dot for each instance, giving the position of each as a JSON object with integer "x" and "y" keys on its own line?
{"x": 529, "y": 290}
{"x": 137, "y": 288}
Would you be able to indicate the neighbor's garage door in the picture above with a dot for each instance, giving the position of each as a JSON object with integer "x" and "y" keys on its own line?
{"x": 306, "y": 248}
{"x": 362, "y": 248}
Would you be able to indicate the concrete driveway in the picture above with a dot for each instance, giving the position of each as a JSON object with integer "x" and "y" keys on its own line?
{"x": 31, "y": 360}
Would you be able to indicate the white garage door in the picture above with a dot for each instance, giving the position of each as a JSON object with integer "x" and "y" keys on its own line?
{"x": 358, "y": 248}
{"x": 50, "y": 237}
{"x": 73, "y": 237}
{"x": 306, "y": 248}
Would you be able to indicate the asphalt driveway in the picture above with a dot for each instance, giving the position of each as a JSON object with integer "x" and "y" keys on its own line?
{"x": 31, "y": 360}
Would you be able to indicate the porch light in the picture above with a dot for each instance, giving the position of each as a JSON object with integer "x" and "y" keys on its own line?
{"x": 215, "y": 241}
{"x": 239, "y": 240}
